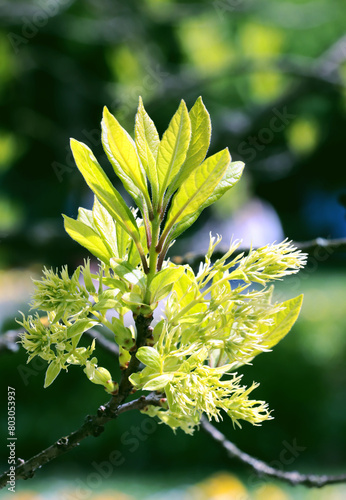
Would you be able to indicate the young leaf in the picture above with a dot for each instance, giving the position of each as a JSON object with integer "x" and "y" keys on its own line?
{"x": 123, "y": 335}
{"x": 80, "y": 326}
{"x": 133, "y": 256}
{"x": 123, "y": 240}
{"x": 129, "y": 273}
{"x": 196, "y": 189}
{"x": 86, "y": 216}
{"x": 105, "y": 224}
{"x": 88, "y": 238}
{"x": 103, "y": 188}
{"x": 159, "y": 382}
{"x": 122, "y": 154}
{"x": 173, "y": 148}
{"x": 147, "y": 142}
{"x": 89, "y": 285}
{"x": 52, "y": 372}
{"x": 199, "y": 144}
{"x": 231, "y": 177}
{"x": 282, "y": 322}
{"x": 107, "y": 300}
{"x": 164, "y": 278}
{"x": 150, "y": 357}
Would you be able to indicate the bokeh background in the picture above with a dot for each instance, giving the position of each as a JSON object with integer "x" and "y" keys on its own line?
{"x": 272, "y": 74}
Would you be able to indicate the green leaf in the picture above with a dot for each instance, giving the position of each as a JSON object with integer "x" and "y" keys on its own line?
{"x": 123, "y": 335}
{"x": 194, "y": 192}
{"x": 282, "y": 322}
{"x": 133, "y": 255}
{"x": 231, "y": 177}
{"x": 86, "y": 216}
{"x": 80, "y": 326}
{"x": 52, "y": 373}
{"x": 104, "y": 222}
{"x": 89, "y": 285}
{"x": 103, "y": 188}
{"x": 107, "y": 300}
{"x": 159, "y": 382}
{"x": 199, "y": 144}
{"x": 88, "y": 238}
{"x": 122, "y": 154}
{"x": 123, "y": 240}
{"x": 164, "y": 278}
{"x": 147, "y": 142}
{"x": 129, "y": 273}
{"x": 150, "y": 357}
{"x": 173, "y": 148}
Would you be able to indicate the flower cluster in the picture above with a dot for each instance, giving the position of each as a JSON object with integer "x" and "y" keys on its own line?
{"x": 215, "y": 324}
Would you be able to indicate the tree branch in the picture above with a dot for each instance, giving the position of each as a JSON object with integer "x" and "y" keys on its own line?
{"x": 144, "y": 331}
{"x": 93, "y": 426}
{"x": 318, "y": 244}
{"x": 261, "y": 468}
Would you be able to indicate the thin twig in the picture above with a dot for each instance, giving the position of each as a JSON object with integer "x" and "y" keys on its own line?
{"x": 261, "y": 468}
{"x": 93, "y": 426}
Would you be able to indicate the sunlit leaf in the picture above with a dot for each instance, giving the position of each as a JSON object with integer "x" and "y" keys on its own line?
{"x": 199, "y": 144}
{"x": 122, "y": 154}
{"x": 52, "y": 372}
{"x": 88, "y": 238}
{"x": 159, "y": 382}
{"x": 103, "y": 188}
{"x": 104, "y": 222}
{"x": 147, "y": 142}
{"x": 150, "y": 357}
{"x": 164, "y": 278}
{"x": 194, "y": 192}
{"x": 173, "y": 147}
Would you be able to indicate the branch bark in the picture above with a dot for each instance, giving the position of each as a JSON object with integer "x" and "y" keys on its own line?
{"x": 93, "y": 426}
{"x": 261, "y": 468}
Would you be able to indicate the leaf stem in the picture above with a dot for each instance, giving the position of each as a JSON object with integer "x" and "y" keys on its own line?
{"x": 153, "y": 256}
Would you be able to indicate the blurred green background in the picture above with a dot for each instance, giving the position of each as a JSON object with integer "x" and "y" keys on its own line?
{"x": 273, "y": 77}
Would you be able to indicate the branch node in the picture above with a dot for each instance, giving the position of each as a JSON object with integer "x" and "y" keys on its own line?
{"x": 101, "y": 410}
{"x": 97, "y": 430}
{"x": 62, "y": 442}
